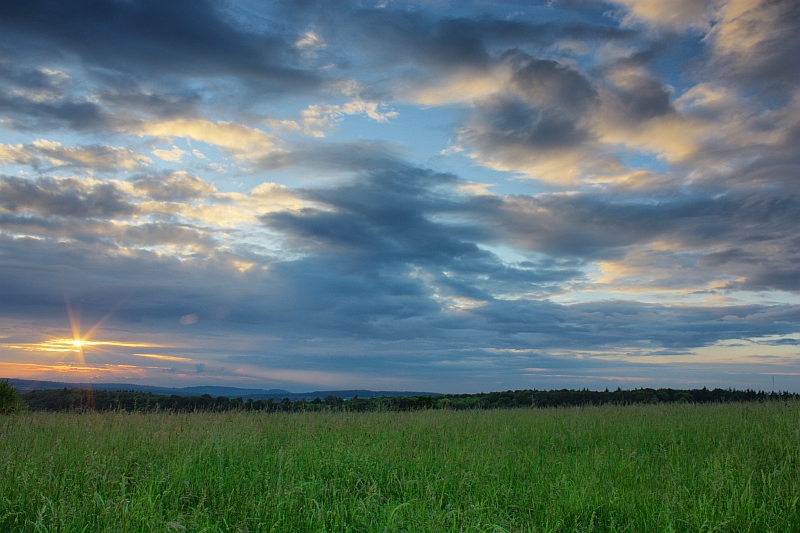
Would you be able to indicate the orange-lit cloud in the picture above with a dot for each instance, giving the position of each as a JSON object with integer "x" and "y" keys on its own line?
{"x": 70, "y": 371}
{"x": 161, "y": 357}
{"x": 69, "y": 345}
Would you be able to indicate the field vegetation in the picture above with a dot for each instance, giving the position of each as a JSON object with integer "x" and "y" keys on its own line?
{"x": 679, "y": 467}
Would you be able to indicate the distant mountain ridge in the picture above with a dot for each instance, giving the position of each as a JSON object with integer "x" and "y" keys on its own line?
{"x": 26, "y": 385}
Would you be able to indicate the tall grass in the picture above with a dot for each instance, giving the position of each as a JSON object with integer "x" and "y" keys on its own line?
{"x": 673, "y": 468}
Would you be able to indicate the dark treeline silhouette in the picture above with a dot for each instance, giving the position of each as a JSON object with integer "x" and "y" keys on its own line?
{"x": 81, "y": 399}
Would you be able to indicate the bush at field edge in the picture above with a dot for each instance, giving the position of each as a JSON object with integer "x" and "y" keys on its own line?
{"x": 10, "y": 399}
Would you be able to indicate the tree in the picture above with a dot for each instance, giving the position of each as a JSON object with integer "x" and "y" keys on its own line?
{"x": 10, "y": 400}
{"x": 333, "y": 401}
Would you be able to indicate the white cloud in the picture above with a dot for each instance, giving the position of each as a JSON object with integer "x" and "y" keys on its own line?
{"x": 310, "y": 42}
{"x": 14, "y": 154}
{"x": 320, "y": 117}
{"x": 174, "y": 155}
{"x": 241, "y": 141}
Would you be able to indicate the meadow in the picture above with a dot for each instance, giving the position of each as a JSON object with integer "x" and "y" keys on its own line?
{"x": 640, "y": 468}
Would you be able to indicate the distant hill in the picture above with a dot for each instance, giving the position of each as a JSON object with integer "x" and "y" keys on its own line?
{"x": 25, "y": 385}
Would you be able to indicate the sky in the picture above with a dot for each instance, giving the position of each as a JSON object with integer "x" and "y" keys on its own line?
{"x": 434, "y": 196}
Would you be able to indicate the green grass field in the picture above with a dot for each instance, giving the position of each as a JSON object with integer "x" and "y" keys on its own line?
{"x": 723, "y": 467}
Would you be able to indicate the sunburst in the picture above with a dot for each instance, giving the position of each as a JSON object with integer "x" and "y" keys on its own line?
{"x": 79, "y": 341}
{"x": 82, "y": 351}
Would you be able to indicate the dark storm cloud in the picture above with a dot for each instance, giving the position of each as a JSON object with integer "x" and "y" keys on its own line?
{"x": 501, "y": 124}
{"x": 395, "y": 37}
{"x": 395, "y": 221}
{"x": 450, "y": 43}
{"x": 149, "y": 36}
{"x": 766, "y": 278}
{"x": 24, "y": 77}
{"x": 67, "y": 197}
{"x": 569, "y": 225}
{"x": 774, "y": 165}
{"x": 596, "y": 225}
{"x": 352, "y": 156}
{"x": 40, "y": 272}
{"x": 395, "y": 218}
{"x": 548, "y": 83}
{"x": 35, "y": 98}
{"x": 445, "y": 43}
{"x": 730, "y": 236}
{"x": 164, "y": 105}
{"x": 312, "y": 297}
{"x": 642, "y": 98}
{"x": 386, "y": 210}
{"x": 618, "y": 323}
{"x": 31, "y": 115}
{"x": 759, "y": 47}
{"x": 541, "y": 111}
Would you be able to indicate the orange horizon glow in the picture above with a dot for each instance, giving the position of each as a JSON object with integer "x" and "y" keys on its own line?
{"x": 76, "y": 345}
{"x": 38, "y": 371}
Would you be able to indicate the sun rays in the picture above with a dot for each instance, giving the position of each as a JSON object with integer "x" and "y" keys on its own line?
{"x": 71, "y": 351}
{"x": 79, "y": 341}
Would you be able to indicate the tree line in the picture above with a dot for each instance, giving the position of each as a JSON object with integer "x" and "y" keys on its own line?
{"x": 82, "y": 399}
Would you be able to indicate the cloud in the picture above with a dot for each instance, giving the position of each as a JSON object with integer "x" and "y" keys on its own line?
{"x": 68, "y": 197}
{"x": 403, "y": 36}
{"x": 545, "y": 83}
{"x": 127, "y": 94}
{"x": 640, "y": 95}
{"x": 15, "y": 155}
{"x": 97, "y": 157}
{"x": 378, "y": 220}
{"x": 309, "y": 43}
{"x": 462, "y": 87}
{"x": 672, "y": 14}
{"x": 318, "y": 118}
{"x": 29, "y": 114}
{"x": 509, "y": 124}
{"x": 242, "y": 142}
{"x": 146, "y": 36}
{"x": 44, "y": 153}
{"x": 173, "y": 186}
{"x": 506, "y": 133}
{"x": 173, "y": 155}
{"x": 682, "y": 244}
{"x": 754, "y": 42}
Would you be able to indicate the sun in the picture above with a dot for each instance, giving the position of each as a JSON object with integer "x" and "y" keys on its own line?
{"x": 77, "y": 343}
